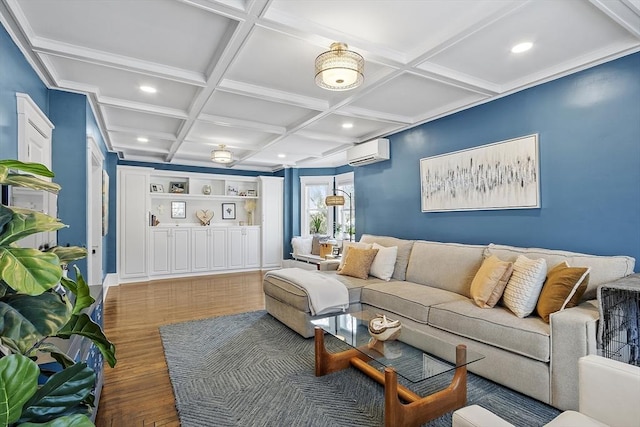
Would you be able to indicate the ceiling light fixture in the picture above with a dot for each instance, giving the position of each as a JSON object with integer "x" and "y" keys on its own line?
{"x": 521, "y": 47}
{"x": 339, "y": 68}
{"x": 142, "y": 139}
{"x": 221, "y": 155}
{"x": 148, "y": 89}
{"x": 282, "y": 155}
{"x": 347, "y": 126}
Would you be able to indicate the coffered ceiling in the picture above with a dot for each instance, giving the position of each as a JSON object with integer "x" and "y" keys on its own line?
{"x": 241, "y": 72}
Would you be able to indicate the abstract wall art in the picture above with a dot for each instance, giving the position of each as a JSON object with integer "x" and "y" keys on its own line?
{"x": 501, "y": 175}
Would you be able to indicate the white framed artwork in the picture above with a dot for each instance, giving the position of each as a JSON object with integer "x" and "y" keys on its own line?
{"x": 501, "y": 175}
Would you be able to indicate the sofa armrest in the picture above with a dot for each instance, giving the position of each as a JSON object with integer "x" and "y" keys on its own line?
{"x": 477, "y": 416}
{"x": 573, "y": 335}
{"x": 609, "y": 391}
{"x": 329, "y": 265}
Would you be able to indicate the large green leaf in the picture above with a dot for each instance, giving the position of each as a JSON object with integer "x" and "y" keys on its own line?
{"x": 32, "y": 182}
{"x": 81, "y": 324}
{"x": 77, "y": 420}
{"x": 25, "y": 223}
{"x": 5, "y": 216}
{"x": 27, "y": 319}
{"x": 60, "y": 357}
{"x": 66, "y": 254}
{"x": 34, "y": 168}
{"x": 28, "y": 270}
{"x": 62, "y": 391}
{"x": 18, "y": 382}
{"x": 80, "y": 289}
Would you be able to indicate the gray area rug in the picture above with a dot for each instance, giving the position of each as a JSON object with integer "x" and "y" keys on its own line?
{"x": 251, "y": 370}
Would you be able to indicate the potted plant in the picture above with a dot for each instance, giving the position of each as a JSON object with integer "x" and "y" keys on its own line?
{"x": 317, "y": 223}
{"x": 38, "y": 302}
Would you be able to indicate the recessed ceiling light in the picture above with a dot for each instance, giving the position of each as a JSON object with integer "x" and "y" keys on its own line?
{"x": 522, "y": 47}
{"x": 148, "y": 89}
{"x": 143, "y": 139}
{"x": 282, "y": 156}
{"x": 347, "y": 125}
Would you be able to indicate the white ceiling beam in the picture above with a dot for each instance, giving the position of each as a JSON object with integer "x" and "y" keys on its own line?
{"x": 271, "y": 94}
{"x": 142, "y": 107}
{"x": 625, "y": 13}
{"x": 243, "y": 124}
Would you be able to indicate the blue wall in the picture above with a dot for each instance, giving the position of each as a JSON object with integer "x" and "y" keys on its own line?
{"x": 73, "y": 120}
{"x": 589, "y": 138}
{"x": 16, "y": 75}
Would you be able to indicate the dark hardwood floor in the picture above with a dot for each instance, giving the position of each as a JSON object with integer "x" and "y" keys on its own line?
{"x": 138, "y": 391}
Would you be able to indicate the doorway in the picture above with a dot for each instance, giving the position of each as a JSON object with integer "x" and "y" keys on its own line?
{"x": 94, "y": 213}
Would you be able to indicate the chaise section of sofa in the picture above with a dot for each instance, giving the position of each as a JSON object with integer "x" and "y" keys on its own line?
{"x": 429, "y": 292}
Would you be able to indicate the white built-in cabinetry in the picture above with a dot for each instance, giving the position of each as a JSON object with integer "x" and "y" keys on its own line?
{"x": 154, "y": 244}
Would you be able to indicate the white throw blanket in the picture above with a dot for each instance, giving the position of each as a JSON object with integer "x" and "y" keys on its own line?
{"x": 326, "y": 294}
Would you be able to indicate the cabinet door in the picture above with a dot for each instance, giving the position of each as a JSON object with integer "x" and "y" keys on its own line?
{"x": 252, "y": 247}
{"x": 133, "y": 191}
{"x": 200, "y": 249}
{"x": 160, "y": 251}
{"x": 181, "y": 250}
{"x": 272, "y": 222}
{"x": 219, "y": 249}
{"x": 235, "y": 247}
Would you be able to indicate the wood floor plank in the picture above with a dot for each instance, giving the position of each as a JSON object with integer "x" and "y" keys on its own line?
{"x": 138, "y": 391}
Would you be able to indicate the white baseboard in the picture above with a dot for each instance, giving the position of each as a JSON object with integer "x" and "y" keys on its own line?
{"x": 109, "y": 281}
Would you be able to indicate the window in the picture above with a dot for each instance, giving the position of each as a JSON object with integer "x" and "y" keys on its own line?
{"x": 316, "y": 217}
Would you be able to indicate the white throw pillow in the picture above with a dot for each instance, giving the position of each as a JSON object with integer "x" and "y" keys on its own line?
{"x": 524, "y": 286}
{"x": 384, "y": 262}
{"x": 345, "y": 250}
{"x": 301, "y": 245}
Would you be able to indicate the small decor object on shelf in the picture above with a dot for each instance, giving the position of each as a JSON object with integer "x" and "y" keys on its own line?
{"x": 157, "y": 188}
{"x": 384, "y": 329}
{"x": 178, "y": 210}
{"x": 251, "y": 193}
{"x": 178, "y": 187}
{"x": 206, "y": 189}
{"x": 232, "y": 191}
{"x": 250, "y": 206}
{"x": 204, "y": 216}
{"x": 228, "y": 211}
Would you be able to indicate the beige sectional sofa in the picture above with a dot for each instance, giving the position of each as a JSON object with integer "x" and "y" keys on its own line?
{"x": 430, "y": 293}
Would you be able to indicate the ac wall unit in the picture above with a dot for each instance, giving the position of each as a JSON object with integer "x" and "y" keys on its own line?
{"x": 368, "y": 152}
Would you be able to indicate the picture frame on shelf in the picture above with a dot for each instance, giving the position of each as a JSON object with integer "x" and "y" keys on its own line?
{"x": 178, "y": 210}
{"x": 251, "y": 193}
{"x": 178, "y": 187}
{"x": 228, "y": 211}
{"x": 157, "y": 188}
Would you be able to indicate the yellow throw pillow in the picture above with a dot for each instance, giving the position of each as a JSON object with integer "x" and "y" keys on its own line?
{"x": 358, "y": 262}
{"x": 490, "y": 280}
{"x": 348, "y": 245}
{"x": 563, "y": 289}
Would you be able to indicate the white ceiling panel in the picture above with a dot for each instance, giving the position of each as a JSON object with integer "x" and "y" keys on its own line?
{"x": 241, "y": 72}
{"x": 164, "y": 31}
{"x": 414, "y": 96}
{"x": 124, "y": 85}
{"x": 561, "y": 32}
{"x": 225, "y": 104}
{"x": 121, "y": 118}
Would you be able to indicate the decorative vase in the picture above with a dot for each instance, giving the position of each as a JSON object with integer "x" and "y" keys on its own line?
{"x": 250, "y": 218}
{"x": 384, "y": 329}
{"x": 206, "y": 189}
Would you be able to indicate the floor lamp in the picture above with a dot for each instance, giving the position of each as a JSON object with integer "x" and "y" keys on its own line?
{"x": 336, "y": 200}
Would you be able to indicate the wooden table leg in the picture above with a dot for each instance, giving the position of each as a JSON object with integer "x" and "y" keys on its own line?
{"x": 326, "y": 362}
{"x": 418, "y": 412}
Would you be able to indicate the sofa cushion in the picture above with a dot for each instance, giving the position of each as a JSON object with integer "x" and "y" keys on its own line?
{"x": 358, "y": 262}
{"x": 301, "y": 245}
{"x": 448, "y": 266}
{"x": 407, "y": 299}
{"x": 497, "y": 327}
{"x": 490, "y": 280}
{"x": 404, "y": 250}
{"x": 384, "y": 262}
{"x": 563, "y": 288}
{"x": 524, "y": 286}
{"x": 603, "y": 268}
{"x": 345, "y": 250}
{"x": 297, "y": 297}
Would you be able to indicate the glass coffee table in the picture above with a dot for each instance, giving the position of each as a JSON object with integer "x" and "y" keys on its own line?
{"x": 402, "y": 406}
